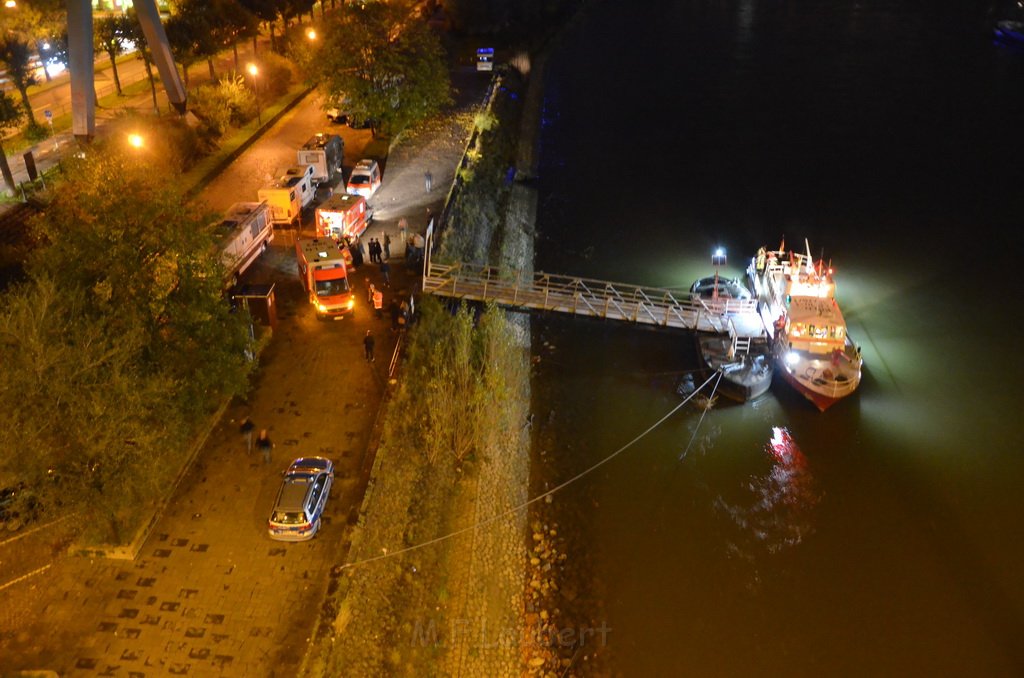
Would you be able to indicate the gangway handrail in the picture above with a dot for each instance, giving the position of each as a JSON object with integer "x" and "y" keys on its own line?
{"x": 587, "y": 296}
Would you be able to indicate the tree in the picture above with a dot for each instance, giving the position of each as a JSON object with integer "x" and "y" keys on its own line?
{"x": 263, "y": 10}
{"x": 16, "y": 54}
{"x": 389, "y": 66}
{"x": 138, "y": 37}
{"x": 151, "y": 269}
{"x": 111, "y": 33}
{"x": 10, "y": 117}
{"x": 184, "y": 30}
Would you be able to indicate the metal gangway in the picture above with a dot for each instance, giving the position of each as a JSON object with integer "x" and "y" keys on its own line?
{"x": 595, "y": 298}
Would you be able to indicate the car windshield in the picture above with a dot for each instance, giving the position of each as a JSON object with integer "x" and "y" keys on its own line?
{"x": 288, "y": 518}
{"x": 359, "y": 179}
{"x": 329, "y": 288}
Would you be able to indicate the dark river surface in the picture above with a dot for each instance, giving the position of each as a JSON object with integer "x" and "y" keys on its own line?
{"x": 890, "y": 134}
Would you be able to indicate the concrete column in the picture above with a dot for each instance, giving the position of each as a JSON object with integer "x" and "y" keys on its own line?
{"x": 80, "y": 66}
{"x": 156, "y": 38}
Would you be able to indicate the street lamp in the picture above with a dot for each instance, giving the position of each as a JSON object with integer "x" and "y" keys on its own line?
{"x": 136, "y": 140}
{"x": 253, "y": 71}
{"x": 311, "y": 34}
{"x": 717, "y": 259}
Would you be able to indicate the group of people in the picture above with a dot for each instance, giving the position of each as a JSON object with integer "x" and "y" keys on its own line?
{"x": 262, "y": 442}
{"x": 379, "y": 249}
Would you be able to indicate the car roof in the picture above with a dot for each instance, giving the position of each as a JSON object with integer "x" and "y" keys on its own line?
{"x": 310, "y": 465}
{"x": 365, "y": 163}
{"x": 293, "y": 493}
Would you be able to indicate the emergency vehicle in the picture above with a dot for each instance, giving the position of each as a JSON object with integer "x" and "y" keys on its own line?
{"x": 342, "y": 216}
{"x": 325, "y": 276}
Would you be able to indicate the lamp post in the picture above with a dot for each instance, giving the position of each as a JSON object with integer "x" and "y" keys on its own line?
{"x": 717, "y": 259}
{"x": 253, "y": 71}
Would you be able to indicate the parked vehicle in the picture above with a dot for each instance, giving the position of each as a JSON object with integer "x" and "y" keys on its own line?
{"x": 324, "y": 152}
{"x": 242, "y": 236}
{"x": 299, "y": 507}
{"x": 342, "y": 216}
{"x": 365, "y": 178}
{"x": 289, "y": 194}
{"x": 324, "y": 274}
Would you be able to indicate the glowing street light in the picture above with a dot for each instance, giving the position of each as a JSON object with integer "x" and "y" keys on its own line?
{"x": 253, "y": 71}
{"x": 311, "y": 34}
{"x": 10, "y": 4}
{"x": 717, "y": 259}
{"x": 136, "y": 140}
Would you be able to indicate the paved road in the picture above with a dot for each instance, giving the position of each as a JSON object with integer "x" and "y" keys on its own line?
{"x": 58, "y": 97}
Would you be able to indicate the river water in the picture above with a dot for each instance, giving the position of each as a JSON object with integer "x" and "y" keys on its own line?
{"x": 890, "y": 134}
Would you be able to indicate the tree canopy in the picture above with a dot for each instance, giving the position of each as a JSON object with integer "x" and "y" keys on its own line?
{"x": 118, "y": 343}
{"x": 385, "y": 64}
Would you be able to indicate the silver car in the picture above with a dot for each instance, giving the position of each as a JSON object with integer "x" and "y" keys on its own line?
{"x": 300, "y": 501}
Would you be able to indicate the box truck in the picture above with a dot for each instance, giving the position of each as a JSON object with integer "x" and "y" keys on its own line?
{"x": 242, "y": 235}
{"x": 324, "y": 275}
{"x": 325, "y": 153}
{"x": 342, "y": 216}
{"x": 289, "y": 194}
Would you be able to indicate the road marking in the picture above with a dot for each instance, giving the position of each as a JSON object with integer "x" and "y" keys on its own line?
{"x": 36, "y": 529}
{"x": 23, "y": 577}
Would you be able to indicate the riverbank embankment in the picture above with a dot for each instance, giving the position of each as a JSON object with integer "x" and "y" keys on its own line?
{"x": 453, "y": 458}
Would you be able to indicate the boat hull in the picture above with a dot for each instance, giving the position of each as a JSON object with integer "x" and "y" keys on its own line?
{"x": 744, "y": 377}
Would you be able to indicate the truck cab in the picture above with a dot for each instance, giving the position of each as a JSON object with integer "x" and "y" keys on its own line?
{"x": 324, "y": 275}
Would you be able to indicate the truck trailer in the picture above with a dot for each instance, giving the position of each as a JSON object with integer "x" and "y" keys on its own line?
{"x": 242, "y": 235}
{"x": 289, "y": 194}
{"x": 325, "y": 276}
{"x": 325, "y": 153}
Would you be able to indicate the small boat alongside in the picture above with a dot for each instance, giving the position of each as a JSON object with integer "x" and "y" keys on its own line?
{"x": 744, "y": 361}
{"x": 811, "y": 346}
{"x": 746, "y": 374}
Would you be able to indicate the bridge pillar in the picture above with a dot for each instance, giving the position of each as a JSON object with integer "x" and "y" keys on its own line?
{"x": 156, "y": 38}
{"x": 80, "y": 67}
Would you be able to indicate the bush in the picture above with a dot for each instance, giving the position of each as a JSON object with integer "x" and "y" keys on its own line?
{"x": 275, "y": 76}
{"x": 228, "y": 103}
{"x": 168, "y": 140}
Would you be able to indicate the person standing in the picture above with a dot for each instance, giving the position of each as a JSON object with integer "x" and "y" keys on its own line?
{"x": 247, "y": 428}
{"x": 264, "y": 445}
{"x": 372, "y": 247}
{"x": 387, "y": 246}
{"x": 370, "y": 294}
{"x": 385, "y": 270}
{"x": 396, "y": 313}
{"x": 378, "y": 302}
{"x": 368, "y": 345}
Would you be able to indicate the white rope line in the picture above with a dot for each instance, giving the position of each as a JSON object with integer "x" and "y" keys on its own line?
{"x": 528, "y": 502}
{"x": 699, "y": 421}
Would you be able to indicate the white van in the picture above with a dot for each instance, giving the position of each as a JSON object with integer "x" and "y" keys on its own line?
{"x": 365, "y": 178}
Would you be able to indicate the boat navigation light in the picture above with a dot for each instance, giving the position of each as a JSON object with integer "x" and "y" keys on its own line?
{"x": 792, "y": 358}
